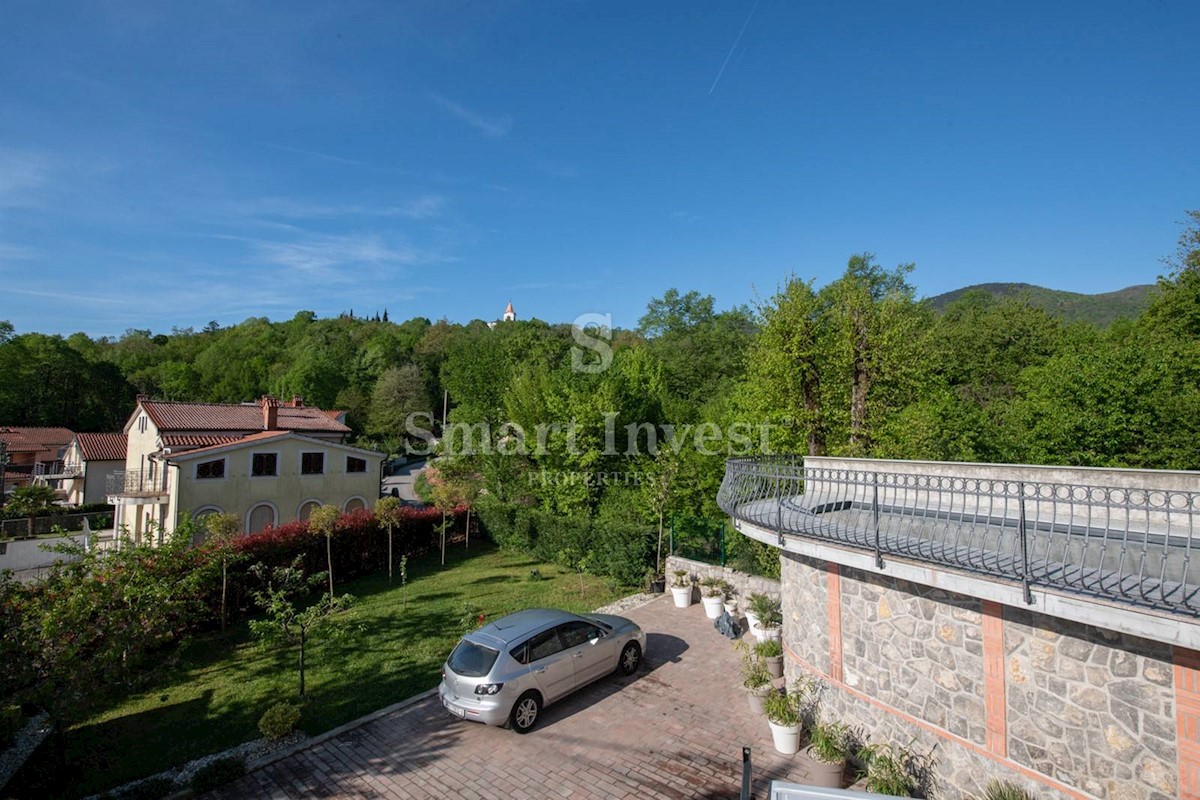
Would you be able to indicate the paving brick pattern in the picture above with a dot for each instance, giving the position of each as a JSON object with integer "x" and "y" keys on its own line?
{"x": 675, "y": 729}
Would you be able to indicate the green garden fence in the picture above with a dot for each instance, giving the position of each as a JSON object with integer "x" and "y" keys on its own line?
{"x": 698, "y": 539}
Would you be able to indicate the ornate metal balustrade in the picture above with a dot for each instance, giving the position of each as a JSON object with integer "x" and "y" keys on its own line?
{"x": 1122, "y": 544}
{"x": 136, "y": 483}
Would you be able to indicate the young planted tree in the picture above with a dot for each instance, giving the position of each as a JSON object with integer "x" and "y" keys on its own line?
{"x": 222, "y": 530}
{"x": 280, "y": 598}
{"x": 31, "y": 500}
{"x": 389, "y": 511}
{"x": 324, "y": 520}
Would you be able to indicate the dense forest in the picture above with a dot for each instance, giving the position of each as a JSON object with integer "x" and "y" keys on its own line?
{"x": 855, "y": 367}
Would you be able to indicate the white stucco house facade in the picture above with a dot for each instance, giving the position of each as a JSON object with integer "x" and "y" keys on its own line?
{"x": 266, "y": 463}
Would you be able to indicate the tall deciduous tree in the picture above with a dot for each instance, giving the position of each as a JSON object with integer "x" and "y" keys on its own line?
{"x": 222, "y": 530}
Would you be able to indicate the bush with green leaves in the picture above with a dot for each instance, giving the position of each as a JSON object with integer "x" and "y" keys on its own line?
{"x": 278, "y": 721}
{"x": 784, "y": 709}
{"x": 829, "y": 742}
{"x": 755, "y": 675}
{"x": 771, "y": 648}
{"x": 218, "y": 773}
{"x": 889, "y": 769}
{"x": 766, "y": 608}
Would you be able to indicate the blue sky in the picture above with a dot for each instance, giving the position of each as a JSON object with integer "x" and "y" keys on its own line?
{"x": 167, "y": 164}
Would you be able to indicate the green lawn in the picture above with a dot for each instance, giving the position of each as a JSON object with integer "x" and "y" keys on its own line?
{"x": 213, "y": 698}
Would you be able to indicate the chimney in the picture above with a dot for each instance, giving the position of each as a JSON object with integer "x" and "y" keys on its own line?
{"x": 296, "y": 402}
{"x": 270, "y": 409}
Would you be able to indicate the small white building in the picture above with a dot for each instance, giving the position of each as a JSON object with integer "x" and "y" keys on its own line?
{"x": 88, "y": 463}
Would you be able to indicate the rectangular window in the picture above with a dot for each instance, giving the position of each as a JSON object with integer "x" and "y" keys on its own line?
{"x": 211, "y": 469}
{"x": 312, "y": 463}
{"x": 356, "y": 464}
{"x": 264, "y": 464}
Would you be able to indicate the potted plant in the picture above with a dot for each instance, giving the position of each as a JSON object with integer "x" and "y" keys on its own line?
{"x": 751, "y": 615}
{"x": 655, "y": 583}
{"x": 712, "y": 595}
{"x": 828, "y": 748}
{"x": 888, "y": 769}
{"x": 681, "y": 588}
{"x": 767, "y": 619}
{"x": 783, "y": 715}
{"x": 771, "y": 652}
{"x": 730, "y": 600}
{"x": 755, "y": 678}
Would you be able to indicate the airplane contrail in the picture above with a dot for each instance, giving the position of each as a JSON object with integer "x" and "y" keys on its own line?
{"x": 729, "y": 55}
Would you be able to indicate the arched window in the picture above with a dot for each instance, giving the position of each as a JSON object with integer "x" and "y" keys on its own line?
{"x": 306, "y": 509}
{"x": 354, "y": 504}
{"x": 260, "y": 517}
{"x": 199, "y": 515}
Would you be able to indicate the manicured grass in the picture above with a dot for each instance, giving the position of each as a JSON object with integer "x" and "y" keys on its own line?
{"x": 389, "y": 650}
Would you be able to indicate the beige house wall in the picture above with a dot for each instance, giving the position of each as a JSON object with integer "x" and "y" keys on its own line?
{"x": 239, "y": 492}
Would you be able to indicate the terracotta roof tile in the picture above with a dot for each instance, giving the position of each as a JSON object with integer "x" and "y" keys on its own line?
{"x": 254, "y": 437}
{"x": 195, "y": 439}
{"x": 49, "y": 437}
{"x": 103, "y": 446}
{"x": 173, "y": 416}
{"x": 16, "y": 443}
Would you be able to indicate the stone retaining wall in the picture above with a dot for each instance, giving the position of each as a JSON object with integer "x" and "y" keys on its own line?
{"x": 743, "y": 583}
{"x": 988, "y": 691}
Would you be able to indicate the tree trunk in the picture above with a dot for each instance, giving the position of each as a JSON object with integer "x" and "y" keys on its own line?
{"x": 468, "y": 547}
{"x": 224, "y": 584}
{"x": 329, "y": 557}
{"x": 302, "y": 663}
{"x": 389, "y": 527}
{"x": 658, "y": 552}
{"x": 811, "y": 392}
{"x": 860, "y": 386}
{"x": 443, "y": 538}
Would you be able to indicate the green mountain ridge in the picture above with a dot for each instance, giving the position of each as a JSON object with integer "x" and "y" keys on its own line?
{"x": 1099, "y": 309}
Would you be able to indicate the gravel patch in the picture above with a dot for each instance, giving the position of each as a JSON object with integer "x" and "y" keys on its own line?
{"x": 626, "y": 603}
{"x": 247, "y": 751}
{"x": 26, "y": 740}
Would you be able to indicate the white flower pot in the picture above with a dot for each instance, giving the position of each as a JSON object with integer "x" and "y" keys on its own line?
{"x": 752, "y": 622}
{"x": 787, "y": 738}
{"x": 682, "y": 595}
{"x": 713, "y": 606}
{"x": 731, "y": 607}
{"x": 768, "y": 634}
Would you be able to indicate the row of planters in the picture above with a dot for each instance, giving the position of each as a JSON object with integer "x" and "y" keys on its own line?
{"x": 763, "y": 617}
{"x": 793, "y": 714}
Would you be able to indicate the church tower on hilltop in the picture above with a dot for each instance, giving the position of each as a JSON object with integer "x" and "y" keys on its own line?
{"x": 509, "y": 314}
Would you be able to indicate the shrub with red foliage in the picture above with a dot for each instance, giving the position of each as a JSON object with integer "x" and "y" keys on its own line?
{"x": 359, "y": 545}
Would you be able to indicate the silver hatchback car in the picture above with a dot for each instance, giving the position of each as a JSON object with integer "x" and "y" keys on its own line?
{"x": 508, "y": 670}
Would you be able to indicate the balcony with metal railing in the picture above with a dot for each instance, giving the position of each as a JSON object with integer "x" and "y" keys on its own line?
{"x": 1127, "y": 538}
{"x": 137, "y": 486}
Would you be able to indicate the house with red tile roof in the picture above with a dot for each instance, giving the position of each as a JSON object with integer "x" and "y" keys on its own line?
{"x": 31, "y": 452}
{"x": 267, "y": 463}
{"x": 88, "y": 463}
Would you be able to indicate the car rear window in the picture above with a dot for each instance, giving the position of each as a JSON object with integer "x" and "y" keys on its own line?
{"x": 472, "y": 660}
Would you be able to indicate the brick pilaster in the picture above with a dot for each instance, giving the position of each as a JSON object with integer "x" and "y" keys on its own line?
{"x": 995, "y": 704}
{"x": 1187, "y": 721}
{"x": 834, "y": 610}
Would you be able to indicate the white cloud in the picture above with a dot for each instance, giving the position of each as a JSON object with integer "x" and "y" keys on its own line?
{"x": 493, "y": 127}
{"x": 22, "y": 173}
{"x": 420, "y": 208}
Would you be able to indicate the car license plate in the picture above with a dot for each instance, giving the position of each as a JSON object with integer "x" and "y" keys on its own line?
{"x": 458, "y": 712}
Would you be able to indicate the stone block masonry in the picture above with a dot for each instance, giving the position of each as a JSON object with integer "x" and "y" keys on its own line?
{"x": 1063, "y": 709}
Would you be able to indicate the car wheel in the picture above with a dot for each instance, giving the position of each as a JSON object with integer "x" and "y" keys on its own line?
{"x": 631, "y": 658}
{"x": 525, "y": 712}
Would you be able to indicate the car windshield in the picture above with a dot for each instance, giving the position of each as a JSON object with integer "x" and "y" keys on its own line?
{"x": 472, "y": 660}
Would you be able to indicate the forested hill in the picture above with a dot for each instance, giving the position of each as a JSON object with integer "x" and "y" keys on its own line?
{"x": 1099, "y": 309}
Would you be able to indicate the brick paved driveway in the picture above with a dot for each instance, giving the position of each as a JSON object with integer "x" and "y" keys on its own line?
{"x": 674, "y": 729}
